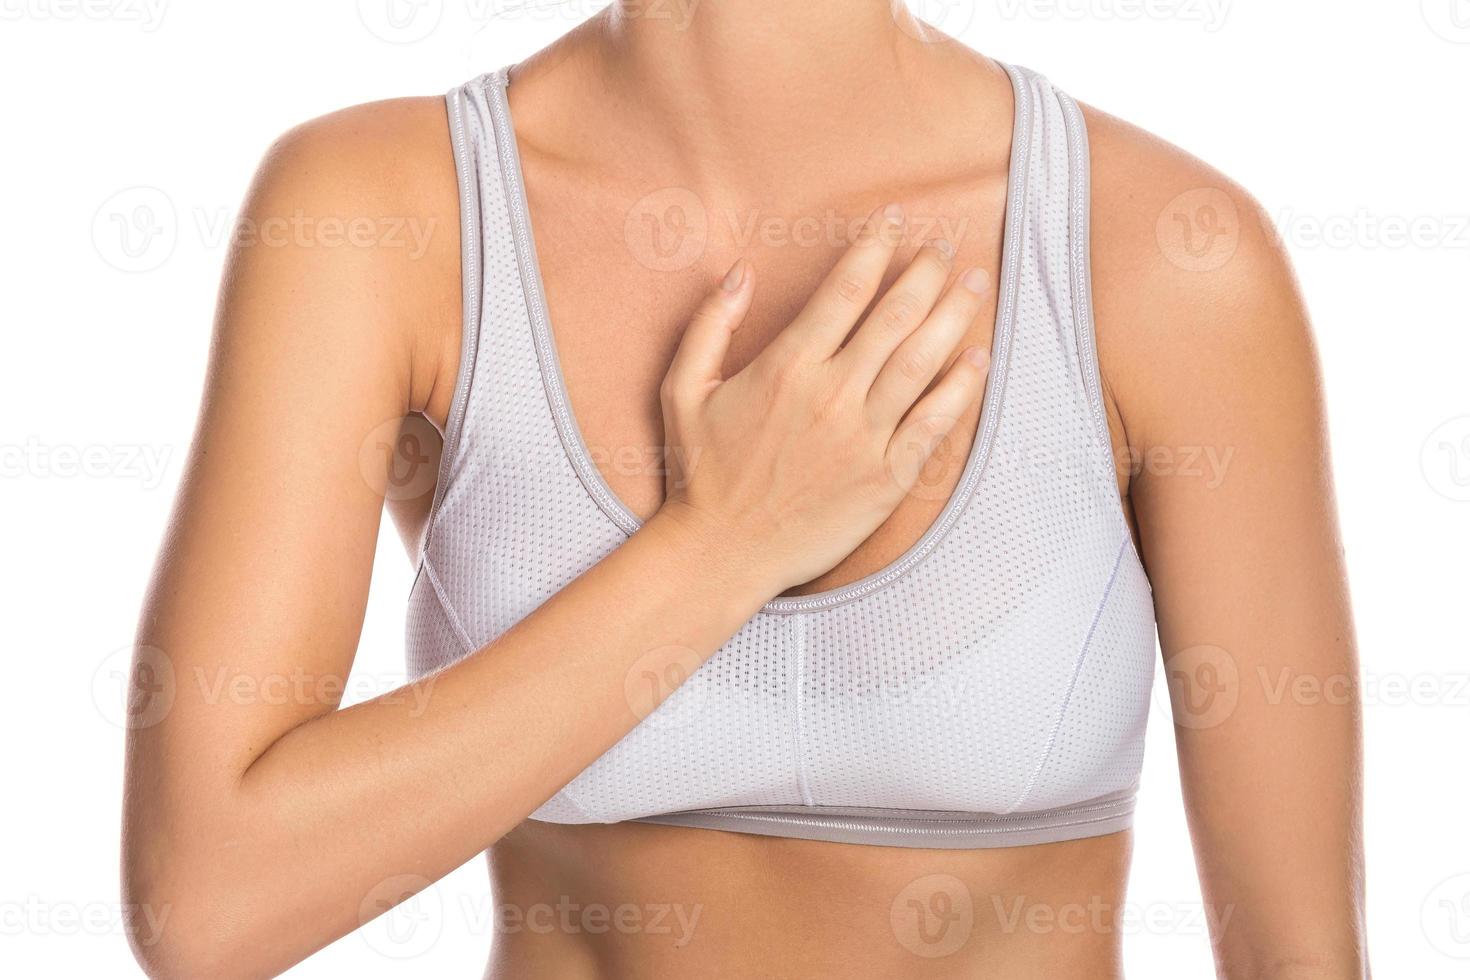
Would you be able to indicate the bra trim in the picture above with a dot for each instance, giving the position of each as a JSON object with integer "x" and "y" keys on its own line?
{"x": 570, "y": 434}
{"x": 942, "y": 829}
{"x": 1079, "y": 167}
{"x": 471, "y": 278}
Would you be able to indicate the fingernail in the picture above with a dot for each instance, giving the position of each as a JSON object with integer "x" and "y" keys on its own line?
{"x": 943, "y": 245}
{"x": 976, "y": 280}
{"x": 978, "y": 356}
{"x": 734, "y": 277}
{"x": 893, "y": 213}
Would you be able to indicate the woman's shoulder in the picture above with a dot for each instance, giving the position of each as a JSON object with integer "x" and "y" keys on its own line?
{"x": 367, "y": 197}
{"x": 1170, "y": 216}
{"x": 1194, "y": 294}
{"x": 395, "y": 151}
{"x": 374, "y": 165}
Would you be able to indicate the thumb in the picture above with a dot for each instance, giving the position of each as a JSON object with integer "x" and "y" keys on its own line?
{"x": 701, "y": 354}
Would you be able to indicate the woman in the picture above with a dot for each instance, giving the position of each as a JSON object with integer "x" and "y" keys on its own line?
{"x": 849, "y": 677}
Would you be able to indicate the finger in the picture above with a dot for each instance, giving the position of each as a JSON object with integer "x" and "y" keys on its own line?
{"x": 901, "y": 310}
{"x": 696, "y": 367}
{"x": 828, "y": 317}
{"x": 920, "y": 357}
{"x": 925, "y": 428}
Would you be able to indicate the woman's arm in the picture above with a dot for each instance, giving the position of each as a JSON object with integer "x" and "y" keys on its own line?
{"x": 1213, "y": 371}
{"x": 258, "y": 827}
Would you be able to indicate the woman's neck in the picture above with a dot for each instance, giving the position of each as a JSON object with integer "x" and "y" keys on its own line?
{"x": 735, "y": 58}
{"x": 737, "y": 91}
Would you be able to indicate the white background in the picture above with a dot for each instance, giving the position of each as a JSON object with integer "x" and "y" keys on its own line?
{"x": 145, "y": 114}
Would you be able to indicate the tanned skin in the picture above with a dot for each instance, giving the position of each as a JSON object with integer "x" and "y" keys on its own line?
{"x": 263, "y": 830}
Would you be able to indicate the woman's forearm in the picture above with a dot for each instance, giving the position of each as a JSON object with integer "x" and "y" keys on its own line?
{"x": 417, "y": 781}
{"x": 259, "y": 831}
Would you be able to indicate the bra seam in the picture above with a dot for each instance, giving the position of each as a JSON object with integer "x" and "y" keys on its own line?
{"x": 448, "y": 608}
{"x": 566, "y": 793}
{"x": 1076, "y": 673}
{"x": 798, "y": 642}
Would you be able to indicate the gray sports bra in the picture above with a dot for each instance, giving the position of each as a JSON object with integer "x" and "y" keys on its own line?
{"x": 988, "y": 688}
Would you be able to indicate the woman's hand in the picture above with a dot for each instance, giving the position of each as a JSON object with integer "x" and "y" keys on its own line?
{"x": 801, "y": 456}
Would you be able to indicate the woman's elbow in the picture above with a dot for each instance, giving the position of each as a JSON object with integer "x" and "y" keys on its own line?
{"x": 183, "y": 924}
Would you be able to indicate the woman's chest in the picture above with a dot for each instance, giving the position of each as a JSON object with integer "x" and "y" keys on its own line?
{"x": 622, "y": 280}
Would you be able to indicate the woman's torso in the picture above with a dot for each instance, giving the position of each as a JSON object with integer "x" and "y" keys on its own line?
{"x": 583, "y": 899}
